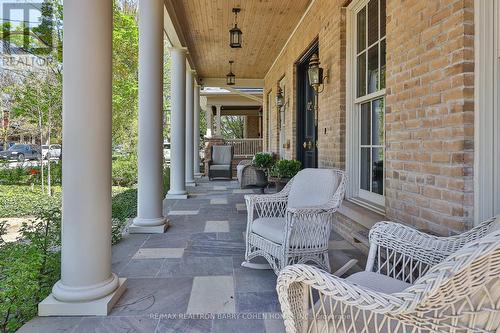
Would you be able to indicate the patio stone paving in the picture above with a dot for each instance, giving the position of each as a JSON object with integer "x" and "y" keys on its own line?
{"x": 190, "y": 278}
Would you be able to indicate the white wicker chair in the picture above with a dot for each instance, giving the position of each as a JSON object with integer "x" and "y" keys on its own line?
{"x": 293, "y": 226}
{"x": 413, "y": 283}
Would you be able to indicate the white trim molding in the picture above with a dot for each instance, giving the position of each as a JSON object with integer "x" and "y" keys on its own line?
{"x": 367, "y": 199}
{"x": 487, "y": 113}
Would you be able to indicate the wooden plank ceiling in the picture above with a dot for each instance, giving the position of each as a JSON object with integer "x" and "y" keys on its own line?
{"x": 266, "y": 26}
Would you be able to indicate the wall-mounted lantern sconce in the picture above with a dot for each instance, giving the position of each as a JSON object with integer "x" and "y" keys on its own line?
{"x": 316, "y": 78}
{"x": 230, "y": 77}
{"x": 280, "y": 98}
{"x": 235, "y": 33}
{"x": 315, "y": 73}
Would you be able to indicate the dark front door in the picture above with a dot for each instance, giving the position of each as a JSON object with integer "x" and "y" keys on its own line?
{"x": 307, "y": 136}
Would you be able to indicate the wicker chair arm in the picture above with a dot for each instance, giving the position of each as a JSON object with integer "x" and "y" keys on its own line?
{"x": 336, "y": 288}
{"x": 412, "y": 242}
{"x": 312, "y": 210}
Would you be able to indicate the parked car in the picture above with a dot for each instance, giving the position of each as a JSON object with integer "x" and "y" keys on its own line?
{"x": 21, "y": 152}
{"x": 9, "y": 144}
{"x": 51, "y": 151}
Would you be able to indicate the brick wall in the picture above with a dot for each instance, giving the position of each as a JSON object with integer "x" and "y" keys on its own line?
{"x": 253, "y": 127}
{"x": 429, "y": 105}
{"x": 430, "y": 113}
{"x": 325, "y": 22}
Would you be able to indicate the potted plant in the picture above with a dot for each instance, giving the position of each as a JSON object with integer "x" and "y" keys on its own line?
{"x": 282, "y": 171}
{"x": 263, "y": 161}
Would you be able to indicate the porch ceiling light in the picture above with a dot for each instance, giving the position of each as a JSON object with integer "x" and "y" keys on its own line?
{"x": 235, "y": 33}
{"x": 230, "y": 77}
{"x": 315, "y": 73}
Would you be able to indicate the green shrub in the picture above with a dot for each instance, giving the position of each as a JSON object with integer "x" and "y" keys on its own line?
{"x": 263, "y": 160}
{"x": 14, "y": 176}
{"x": 124, "y": 171}
{"x": 285, "y": 168}
{"x": 28, "y": 175}
{"x": 29, "y": 268}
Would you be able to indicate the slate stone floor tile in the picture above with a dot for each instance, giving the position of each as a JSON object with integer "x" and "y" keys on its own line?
{"x": 217, "y": 226}
{"x": 239, "y": 325}
{"x": 254, "y": 280}
{"x": 159, "y": 253}
{"x": 167, "y": 239}
{"x": 257, "y": 302}
{"x": 142, "y": 268}
{"x": 212, "y": 294}
{"x": 184, "y": 326}
{"x": 51, "y": 324}
{"x": 197, "y": 266}
{"x": 154, "y": 296}
{"x": 117, "y": 325}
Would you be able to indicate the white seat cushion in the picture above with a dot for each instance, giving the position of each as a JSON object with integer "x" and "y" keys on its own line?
{"x": 220, "y": 167}
{"x": 378, "y": 282}
{"x": 221, "y": 155}
{"x": 313, "y": 187}
{"x": 271, "y": 228}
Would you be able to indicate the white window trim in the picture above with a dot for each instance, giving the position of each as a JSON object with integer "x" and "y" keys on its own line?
{"x": 369, "y": 200}
{"x": 486, "y": 104}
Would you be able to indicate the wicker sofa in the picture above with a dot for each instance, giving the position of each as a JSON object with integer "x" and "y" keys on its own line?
{"x": 413, "y": 282}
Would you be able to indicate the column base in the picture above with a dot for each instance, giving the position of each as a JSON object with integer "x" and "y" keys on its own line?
{"x": 190, "y": 184}
{"x": 153, "y": 229}
{"x": 99, "y": 307}
{"x": 176, "y": 195}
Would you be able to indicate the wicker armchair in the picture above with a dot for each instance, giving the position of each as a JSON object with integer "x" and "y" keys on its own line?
{"x": 293, "y": 226}
{"x": 248, "y": 175}
{"x": 220, "y": 164}
{"x": 413, "y": 283}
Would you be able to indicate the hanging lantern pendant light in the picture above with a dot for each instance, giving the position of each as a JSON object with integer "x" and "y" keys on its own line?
{"x": 230, "y": 77}
{"x": 235, "y": 33}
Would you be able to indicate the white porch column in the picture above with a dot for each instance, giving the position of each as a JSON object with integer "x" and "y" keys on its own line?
{"x": 150, "y": 217}
{"x": 196, "y": 134}
{"x": 178, "y": 125}
{"x": 218, "y": 124}
{"x": 87, "y": 285}
{"x": 190, "y": 128}
{"x": 209, "y": 117}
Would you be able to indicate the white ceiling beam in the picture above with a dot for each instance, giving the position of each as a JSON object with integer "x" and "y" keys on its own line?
{"x": 240, "y": 83}
{"x": 244, "y": 94}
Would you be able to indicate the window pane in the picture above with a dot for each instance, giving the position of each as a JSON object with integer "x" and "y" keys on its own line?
{"x": 365, "y": 169}
{"x": 365, "y": 123}
{"x": 378, "y": 171}
{"x": 361, "y": 27}
{"x": 382, "y": 18}
{"x": 373, "y": 69}
{"x": 382, "y": 64}
{"x": 372, "y": 21}
{"x": 361, "y": 73}
{"x": 378, "y": 122}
